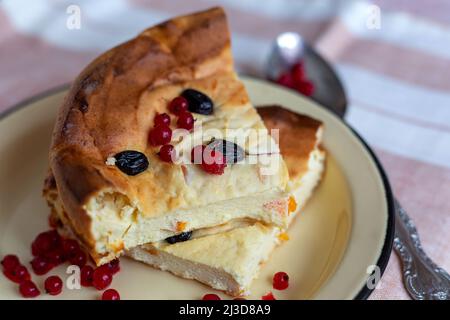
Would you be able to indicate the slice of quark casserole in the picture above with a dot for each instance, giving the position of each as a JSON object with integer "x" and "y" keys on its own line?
{"x": 110, "y": 183}
{"x": 229, "y": 257}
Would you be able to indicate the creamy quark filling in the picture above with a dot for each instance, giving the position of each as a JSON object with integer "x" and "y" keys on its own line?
{"x": 228, "y": 257}
{"x": 117, "y": 223}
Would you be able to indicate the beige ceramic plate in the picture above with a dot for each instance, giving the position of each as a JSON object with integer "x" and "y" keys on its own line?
{"x": 345, "y": 229}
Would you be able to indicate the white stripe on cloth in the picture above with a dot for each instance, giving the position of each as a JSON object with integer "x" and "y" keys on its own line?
{"x": 104, "y": 23}
{"x": 306, "y": 10}
{"x": 400, "y": 29}
{"x": 112, "y": 21}
{"x": 401, "y": 138}
{"x": 394, "y": 96}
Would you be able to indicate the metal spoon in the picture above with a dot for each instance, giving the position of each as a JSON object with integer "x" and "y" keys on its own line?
{"x": 423, "y": 279}
{"x": 288, "y": 48}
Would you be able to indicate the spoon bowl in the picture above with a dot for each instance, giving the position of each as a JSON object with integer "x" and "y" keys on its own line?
{"x": 289, "y": 48}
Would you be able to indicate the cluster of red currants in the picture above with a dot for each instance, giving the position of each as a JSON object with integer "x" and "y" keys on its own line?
{"x": 51, "y": 250}
{"x": 296, "y": 79}
{"x": 161, "y": 134}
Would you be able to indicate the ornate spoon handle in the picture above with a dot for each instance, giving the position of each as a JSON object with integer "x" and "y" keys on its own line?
{"x": 423, "y": 279}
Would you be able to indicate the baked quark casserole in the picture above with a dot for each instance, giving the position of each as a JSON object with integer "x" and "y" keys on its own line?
{"x": 107, "y": 183}
{"x": 229, "y": 257}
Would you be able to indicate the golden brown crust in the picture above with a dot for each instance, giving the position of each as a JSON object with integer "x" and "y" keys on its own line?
{"x": 98, "y": 117}
{"x": 297, "y": 136}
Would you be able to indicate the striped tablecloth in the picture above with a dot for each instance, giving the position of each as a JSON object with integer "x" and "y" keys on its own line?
{"x": 396, "y": 70}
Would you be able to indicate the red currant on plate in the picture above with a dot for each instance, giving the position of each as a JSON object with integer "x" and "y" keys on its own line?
{"x": 211, "y": 296}
{"x": 280, "y": 280}
{"x": 53, "y": 285}
{"x": 41, "y": 265}
{"x": 86, "y": 276}
{"x": 55, "y": 257}
{"x": 28, "y": 289}
{"x": 101, "y": 278}
{"x": 78, "y": 258}
{"x": 70, "y": 246}
{"x": 10, "y": 262}
{"x": 111, "y": 294}
{"x": 114, "y": 266}
{"x": 268, "y": 296}
{"x": 18, "y": 275}
{"x": 45, "y": 242}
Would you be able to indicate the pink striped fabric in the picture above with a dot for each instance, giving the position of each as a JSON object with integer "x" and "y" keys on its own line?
{"x": 396, "y": 76}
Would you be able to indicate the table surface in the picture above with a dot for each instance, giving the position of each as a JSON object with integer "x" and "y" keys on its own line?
{"x": 393, "y": 58}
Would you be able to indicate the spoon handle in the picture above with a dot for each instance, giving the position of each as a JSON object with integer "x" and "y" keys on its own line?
{"x": 423, "y": 279}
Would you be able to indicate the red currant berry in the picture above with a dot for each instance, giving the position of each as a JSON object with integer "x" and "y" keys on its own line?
{"x": 167, "y": 153}
{"x": 211, "y": 296}
{"x": 10, "y": 262}
{"x": 213, "y": 162}
{"x": 110, "y": 294}
{"x": 55, "y": 237}
{"x": 28, "y": 289}
{"x": 298, "y": 72}
{"x": 18, "y": 275}
{"x": 286, "y": 80}
{"x": 86, "y": 275}
{"x": 306, "y": 87}
{"x": 162, "y": 119}
{"x": 53, "y": 285}
{"x": 178, "y": 105}
{"x": 41, "y": 265}
{"x": 280, "y": 280}
{"x": 45, "y": 242}
{"x": 41, "y": 245}
{"x": 160, "y": 135}
{"x": 210, "y": 160}
{"x": 55, "y": 257}
{"x": 185, "y": 121}
{"x": 101, "y": 278}
{"x": 114, "y": 266}
{"x": 268, "y": 296}
{"x": 78, "y": 258}
{"x": 70, "y": 247}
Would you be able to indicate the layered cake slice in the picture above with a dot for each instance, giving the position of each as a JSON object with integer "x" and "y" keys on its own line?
{"x": 229, "y": 257}
{"x": 124, "y": 167}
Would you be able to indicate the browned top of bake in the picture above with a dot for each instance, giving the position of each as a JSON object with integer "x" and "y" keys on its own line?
{"x": 99, "y": 116}
{"x": 103, "y": 112}
{"x": 297, "y": 136}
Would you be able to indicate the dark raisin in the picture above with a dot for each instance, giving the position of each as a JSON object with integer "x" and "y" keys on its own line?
{"x": 232, "y": 152}
{"x": 198, "y": 102}
{"x": 84, "y": 106}
{"x": 131, "y": 162}
{"x": 184, "y": 236}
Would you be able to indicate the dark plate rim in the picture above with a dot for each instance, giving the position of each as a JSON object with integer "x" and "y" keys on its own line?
{"x": 385, "y": 254}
